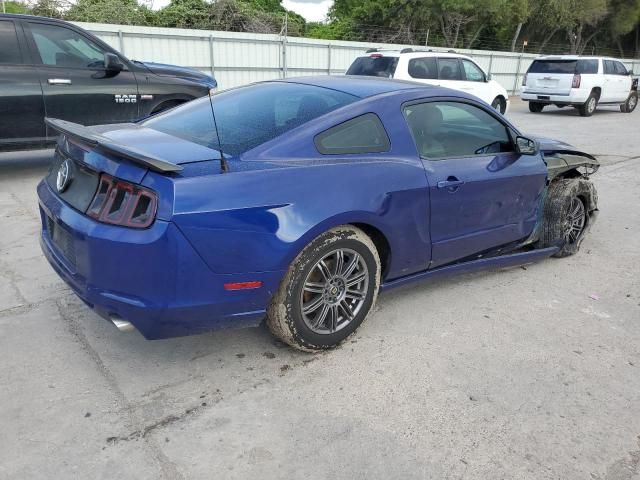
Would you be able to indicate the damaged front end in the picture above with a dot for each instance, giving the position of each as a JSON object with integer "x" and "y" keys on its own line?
{"x": 563, "y": 160}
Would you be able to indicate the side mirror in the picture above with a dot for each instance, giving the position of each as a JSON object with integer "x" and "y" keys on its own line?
{"x": 526, "y": 146}
{"x": 112, "y": 63}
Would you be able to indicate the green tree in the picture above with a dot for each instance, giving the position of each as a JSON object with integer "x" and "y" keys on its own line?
{"x": 124, "y": 12}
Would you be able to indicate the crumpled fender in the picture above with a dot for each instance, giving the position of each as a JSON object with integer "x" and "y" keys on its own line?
{"x": 561, "y": 157}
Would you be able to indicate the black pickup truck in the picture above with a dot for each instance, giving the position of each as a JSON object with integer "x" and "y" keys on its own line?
{"x": 55, "y": 69}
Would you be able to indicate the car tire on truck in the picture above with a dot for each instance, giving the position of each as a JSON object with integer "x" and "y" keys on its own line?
{"x": 536, "y": 107}
{"x": 588, "y": 107}
{"x": 631, "y": 103}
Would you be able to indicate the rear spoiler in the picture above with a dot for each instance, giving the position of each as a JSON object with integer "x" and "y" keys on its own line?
{"x": 97, "y": 141}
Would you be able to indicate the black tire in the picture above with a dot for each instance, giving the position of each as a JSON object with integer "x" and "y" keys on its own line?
{"x": 285, "y": 317}
{"x": 560, "y": 204}
{"x": 588, "y": 107}
{"x": 499, "y": 105}
{"x": 631, "y": 103}
{"x": 535, "y": 107}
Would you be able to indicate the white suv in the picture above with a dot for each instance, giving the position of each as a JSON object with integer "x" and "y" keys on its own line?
{"x": 446, "y": 69}
{"x": 582, "y": 82}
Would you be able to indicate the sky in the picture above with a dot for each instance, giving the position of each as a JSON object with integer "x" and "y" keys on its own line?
{"x": 311, "y": 10}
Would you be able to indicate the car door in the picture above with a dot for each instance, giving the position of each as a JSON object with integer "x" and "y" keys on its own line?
{"x": 483, "y": 194}
{"x": 475, "y": 81}
{"x": 21, "y": 104}
{"x": 611, "y": 87}
{"x": 75, "y": 83}
{"x": 623, "y": 81}
{"x": 423, "y": 70}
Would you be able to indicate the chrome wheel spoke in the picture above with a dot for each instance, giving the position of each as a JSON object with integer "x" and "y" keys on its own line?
{"x": 346, "y": 308}
{"x": 334, "y": 319}
{"x": 313, "y": 305}
{"x": 324, "y": 270}
{"x": 339, "y": 263}
{"x": 351, "y": 266}
{"x": 314, "y": 287}
{"x": 320, "y": 319}
{"x": 354, "y": 294}
{"x": 356, "y": 279}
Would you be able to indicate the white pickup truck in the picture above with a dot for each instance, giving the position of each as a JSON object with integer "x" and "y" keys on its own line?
{"x": 581, "y": 82}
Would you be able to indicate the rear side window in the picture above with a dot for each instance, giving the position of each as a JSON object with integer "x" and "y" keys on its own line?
{"x": 363, "y": 134}
{"x": 9, "y": 52}
{"x": 248, "y": 116}
{"x": 609, "y": 69}
{"x": 449, "y": 69}
{"x": 553, "y": 66}
{"x": 374, "y": 66}
{"x": 587, "y": 66}
{"x": 426, "y": 67}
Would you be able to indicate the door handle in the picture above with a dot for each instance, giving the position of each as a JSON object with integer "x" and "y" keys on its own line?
{"x": 59, "y": 81}
{"x": 451, "y": 183}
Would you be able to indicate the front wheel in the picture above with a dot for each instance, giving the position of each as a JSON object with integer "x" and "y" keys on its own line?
{"x": 328, "y": 291}
{"x": 631, "y": 103}
{"x": 565, "y": 216}
{"x": 499, "y": 105}
{"x": 536, "y": 107}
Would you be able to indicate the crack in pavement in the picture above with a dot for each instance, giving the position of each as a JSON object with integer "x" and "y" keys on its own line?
{"x": 167, "y": 467}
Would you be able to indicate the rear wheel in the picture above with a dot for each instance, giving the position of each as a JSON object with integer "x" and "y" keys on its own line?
{"x": 631, "y": 103}
{"x": 499, "y": 105}
{"x": 536, "y": 107}
{"x": 328, "y": 290}
{"x": 588, "y": 107}
{"x": 565, "y": 216}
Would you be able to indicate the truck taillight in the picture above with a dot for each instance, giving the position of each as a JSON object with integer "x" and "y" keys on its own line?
{"x": 122, "y": 203}
{"x": 576, "y": 81}
{"x": 524, "y": 80}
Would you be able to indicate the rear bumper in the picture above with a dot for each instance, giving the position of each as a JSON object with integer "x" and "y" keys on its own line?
{"x": 575, "y": 97}
{"x": 152, "y": 278}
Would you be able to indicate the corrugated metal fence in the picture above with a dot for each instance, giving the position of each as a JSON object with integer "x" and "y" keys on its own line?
{"x": 239, "y": 58}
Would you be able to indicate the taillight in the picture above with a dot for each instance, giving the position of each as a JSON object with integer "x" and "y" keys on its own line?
{"x": 524, "y": 80}
{"x": 576, "y": 81}
{"x": 122, "y": 203}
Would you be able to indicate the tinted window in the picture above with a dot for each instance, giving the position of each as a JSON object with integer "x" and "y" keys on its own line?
{"x": 426, "y": 67}
{"x": 248, "y": 116}
{"x": 374, "y": 66}
{"x": 609, "y": 68}
{"x": 553, "y": 66}
{"x": 449, "y": 69}
{"x": 472, "y": 72}
{"x": 363, "y": 134}
{"x": 64, "y": 47}
{"x": 451, "y": 129}
{"x": 620, "y": 68}
{"x": 587, "y": 66}
{"x": 9, "y": 52}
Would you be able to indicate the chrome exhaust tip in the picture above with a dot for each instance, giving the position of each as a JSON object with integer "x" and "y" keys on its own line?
{"x": 122, "y": 325}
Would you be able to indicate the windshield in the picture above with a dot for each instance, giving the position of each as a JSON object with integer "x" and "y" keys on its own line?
{"x": 248, "y": 116}
{"x": 374, "y": 66}
{"x": 564, "y": 66}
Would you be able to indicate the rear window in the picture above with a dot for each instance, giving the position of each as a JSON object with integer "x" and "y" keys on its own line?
{"x": 248, "y": 116}
{"x": 374, "y": 66}
{"x": 564, "y": 66}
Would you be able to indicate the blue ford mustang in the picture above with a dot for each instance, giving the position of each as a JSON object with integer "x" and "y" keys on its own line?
{"x": 297, "y": 201}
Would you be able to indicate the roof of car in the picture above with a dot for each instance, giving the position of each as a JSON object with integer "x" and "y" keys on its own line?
{"x": 30, "y": 17}
{"x": 411, "y": 53}
{"x": 359, "y": 86}
{"x": 572, "y": 57}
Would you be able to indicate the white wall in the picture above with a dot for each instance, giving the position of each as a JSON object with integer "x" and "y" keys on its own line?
{"x": 240, "y": 58}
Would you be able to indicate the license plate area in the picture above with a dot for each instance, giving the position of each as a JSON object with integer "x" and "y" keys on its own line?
{"x": 62, "y": 240}
{"x": 544, "y": 97}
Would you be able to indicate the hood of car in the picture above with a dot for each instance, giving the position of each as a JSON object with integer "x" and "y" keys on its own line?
{"x": 166, "y": 70}
{"x": 561, "y": 157}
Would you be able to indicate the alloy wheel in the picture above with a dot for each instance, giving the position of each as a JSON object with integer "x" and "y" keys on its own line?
{"x": 576, "y": 220}
{"x": 334, "y": 291}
